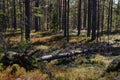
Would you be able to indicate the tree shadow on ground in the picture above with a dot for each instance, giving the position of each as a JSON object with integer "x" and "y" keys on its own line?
{"x": 111, "y": 33}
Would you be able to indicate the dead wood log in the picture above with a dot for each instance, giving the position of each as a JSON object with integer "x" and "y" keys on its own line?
{"x": 77, "y": 52}
{"x": 66, "y": 54}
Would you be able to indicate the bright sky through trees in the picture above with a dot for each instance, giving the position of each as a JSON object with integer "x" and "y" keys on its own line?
{"x": 116, "y": 1}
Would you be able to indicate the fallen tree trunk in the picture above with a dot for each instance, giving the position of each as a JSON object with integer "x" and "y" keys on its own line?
{"x": 26, "y": 61}
{"x": 66, "y": 54}
{"x": 76, "y": 52}
{"x": 27, "y": 58}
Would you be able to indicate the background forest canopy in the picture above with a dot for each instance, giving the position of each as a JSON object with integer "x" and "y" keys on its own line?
{"x": 25, "y": 19}
{"x": 90, "y": 18}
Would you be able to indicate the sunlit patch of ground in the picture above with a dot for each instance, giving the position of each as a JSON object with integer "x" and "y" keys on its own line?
{"x": 43, "y": 39}
{"x": 43, "y": 47}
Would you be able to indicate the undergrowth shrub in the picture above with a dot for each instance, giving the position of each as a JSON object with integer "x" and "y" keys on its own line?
{"x": 22, "y": 46}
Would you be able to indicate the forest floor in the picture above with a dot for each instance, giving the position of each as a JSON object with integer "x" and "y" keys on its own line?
{"x": 81, "y": 67}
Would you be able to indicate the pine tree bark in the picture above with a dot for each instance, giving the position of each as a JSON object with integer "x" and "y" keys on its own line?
{"x": 89, "y": 18}
{"x": 79, "y": 17}
{"x": 27, "y": 19}
{"x": 14, "y": 15}
{"x": 98, "y": 19}
{"x": 68, "y": 21}
{"x": 21, "y": 18}
{"x": 111, "y": 14}
{"x": 102, "y": 18}
{"x": 85, "y": 14}
{"x": 94, "y": 3}
{"x": 64, "y": 18}
{"x": 59, "y": 13}
{"x": 36, "y": 18}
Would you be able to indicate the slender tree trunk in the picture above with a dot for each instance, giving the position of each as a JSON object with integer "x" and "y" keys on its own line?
{"x": 36, "y": 18}
{"x": 3, "y": 25}
{"x": 111, "y": 14}
{"x": 3, "y": 6}
{"x": 108, "y": 25}
{"x": 117, "y": 16}
{"x": 27, "y": 19}
{"x": 64, "y": 17}
{"x": 98, "y": 19}
{"x": 94, "y": 3}
{"x": 85, "y": 13}
{"x": 4, "y": 16}
{"x": 89, "y": 17}
{"x": 62, "y": 20}
{"x": 59, "y": 14}
{"x": 79, "y": 17}
{"x": 102, "y": 19}
{"x": 7, "y": 11}
{"x": 110, "y": 18}
{"x": 21, "y": 18}
{"x": 14, "y": 14}
{"x": 68, "y": 21}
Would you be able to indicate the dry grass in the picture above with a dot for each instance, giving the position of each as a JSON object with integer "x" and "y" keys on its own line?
{"x": 11, "y": 74}
{"x": 43, "y": 39}
{"x": 99, "y": 59}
